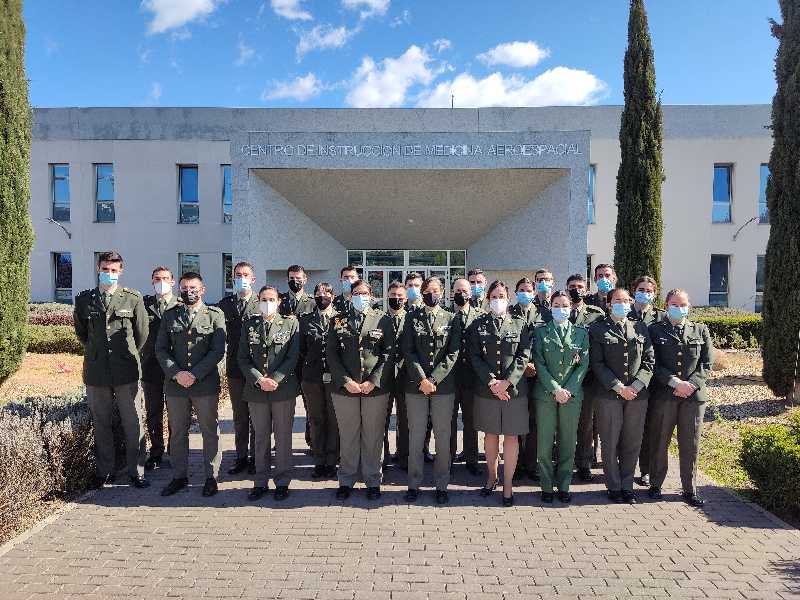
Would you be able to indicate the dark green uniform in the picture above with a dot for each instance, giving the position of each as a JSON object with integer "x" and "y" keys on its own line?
{"x": 430, "y": 344}
{"x": 342, "y": 304}
{"x": 296, "y": 304}
{"x": 271, "y": 348}
{"x": 113, "y": 330}
{"x": 683, "y": 352}
{"x": 192, "y": 339}
{"x": 237, "y": 310}
{"x": 620, "y": 355}
{"x": 360, "y": 348}
{"x": 152, "y": 375}
{"x": 396, "y": 390}
{"x": 598, "y": 299}
{"x": 543, "y": 312}
{"x": 561, "y": 356}
{"x": 464, "y": 387}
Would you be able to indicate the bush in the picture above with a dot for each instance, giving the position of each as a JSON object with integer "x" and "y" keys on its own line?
{"x": 719, "y": 311}
{"x": 733, "y": 331}
{"x": 51, "y": 339}
{"x": 50, "y": 313}
{"x": 771, "y": 457}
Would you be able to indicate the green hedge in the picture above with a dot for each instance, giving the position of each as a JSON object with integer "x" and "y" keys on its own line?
{"x": 51, "y": 339}
{"x": 733, "y": 331}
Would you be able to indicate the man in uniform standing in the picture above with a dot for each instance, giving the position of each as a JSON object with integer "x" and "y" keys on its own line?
{"x": 348, "y": 275}
{"x": 190, "y": 345}
{"x": 395, "y": 380}
{"x": 111, "y": 323}
{"x": 296, "y": 301}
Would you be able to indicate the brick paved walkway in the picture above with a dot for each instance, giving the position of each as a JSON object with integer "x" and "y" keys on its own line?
{"x": 135, "y": 544}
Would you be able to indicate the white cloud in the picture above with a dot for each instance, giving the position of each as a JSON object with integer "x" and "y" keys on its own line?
{"x": 403, "y": 18}
{"x": 515, "y": 54}
{"x": 442, "y": 44}
{"x": 556, "y": 87}
{"x": 172, "y": 14}
{"x": 246, "y": 54}
{"x": 322, "y": 37}
{"x": 155, "y": 93}
{"x": 387, "y": 83}
{"x": 144, "y": 54}
{"x": 291, "y": 9}
{"x": 301, "y": 89}
{"x": 368, "y": 8}
{"x": 51, "y": 46}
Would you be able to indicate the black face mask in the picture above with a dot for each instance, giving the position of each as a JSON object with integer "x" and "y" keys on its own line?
{"x": 295, "y": 285}
{"x": 430, "y": 300}
{"x": 575, "y": 295}
{"x": 396, "y": 303}
{"x": 190, "y": 298}
{"x": 322, "y": 302}
{"x": 460, "y": 299}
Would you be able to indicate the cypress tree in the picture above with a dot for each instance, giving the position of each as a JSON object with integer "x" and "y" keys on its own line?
{"x": 16, "y": 233}
{"x": 637, "y": 245}
{"x": 782, "y": 261}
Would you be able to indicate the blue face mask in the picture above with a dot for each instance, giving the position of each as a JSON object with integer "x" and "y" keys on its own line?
{"x": 677, "y": 313}
{"x": 560, "y": 314}
{"x": 412, "y": 293}
{"x": 477, "y": 290}
{"x": 644, "y": 297}
{"x": 543, "y": 287}
{"x": 346, "y": 286}
{"x": 524, "y": 298}
{"x": 620, "y": 309}
{"x": 108, "y": 279}
{"x": 361, "y": 303}
{"x": 604, "y": 285}
{"x": 241, "y": 284}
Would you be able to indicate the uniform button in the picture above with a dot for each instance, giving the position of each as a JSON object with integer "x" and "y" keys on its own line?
{"x": 188, "y": 354}
{"x": 625, "y": 355}
{"x": 498, "y": 352}
{"x": 109, "y": 327}
{"x": 680, "y": 353}
{"x": 188, "y": 364}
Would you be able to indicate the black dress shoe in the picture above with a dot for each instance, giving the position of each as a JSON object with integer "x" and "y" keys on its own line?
{"x": 654, "y": 492}
{"x": 488, "y": 491}
{"x": 693, "y": 499}
{"x": 256, "y": 493}
{"x": 585, "y": 474}
{"x": 472, "y": 469}
{"x": 459, "y": 458}
{"x": 238, "y": 466}
{"x": 281, "y": 492}
{"x": 319, "y": 471}
{"x": 442, "y": 497}
{"x": 343, "y": 493}
{"x": 547, "y": 497}
{"x": 174, "y": 486}
{"x": 564, "y": 497}
{"x": 628, "y": 496}
{"x": 140, "y": 482}
{"x": 429, "y": 457}
{"x": 507, "y": 502}
{"x": 615, "y": 496}
{"x": 251, "y": 466}
{"x": 153, "y": 462}
{"x": 403, "y": 466}
{"x": 210, "y": 487}
{"x": 373, "y": 492}
{"x": 330, "y": 471}
{"x": 99, "y": 482}
{"x": 644, "y": 480}
{"x": 595, "y": 463}
{"x": 411, "y": 495}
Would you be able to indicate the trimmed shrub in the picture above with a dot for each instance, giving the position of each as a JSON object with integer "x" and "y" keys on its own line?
{"x": 733, "y": 332}
{"x": 52, "y": 339}
{"x": 771, "y": 457}
{"x": 719, "y": 311}
{"x": 50, "y": 313}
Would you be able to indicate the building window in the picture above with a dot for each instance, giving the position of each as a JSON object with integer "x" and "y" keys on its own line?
{"x": 590, "y": 197}
{"x": 189, "y": 197}
{"x": 62, "y": 269}
{"x": 227, "y": 272}
{"x": 721, "y": 210}
{"x": 759, "y": 283}
{"x": 763, "y": 211}
{"x": 227, "y": 194}
{"x": 188, "y": 263}
{"x": 104, "y": 193}
{"x": 718, "y": 280}
{"x": 59, "y": 182}
{"x": 589, "y": 273}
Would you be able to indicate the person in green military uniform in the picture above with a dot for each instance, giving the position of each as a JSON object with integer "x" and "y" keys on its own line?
{"x": 189, "y": 347}
{"x": 464, "y": 380}
{"x": 413, "y": 285}
{"x": 583, "y": 315}
{"x": 395, "y": 381}
{"x": 360, "y": 350}
{"x": 645, "y": 291}
{"x": 561, "y": 356}
{"x": 296, "y": 301}
{"x": 316, "y": 382}
{"x": 152, "y": 375}
{"x": 683, "y": 353}
{"x": 111, "y": 324}
{"x": 269, "y": 349}
{"x": 238, "y": 308}
{"x": 347, "y": 276}
{"x": 430, "y": 343}
{"x": 499, "y": 349}
{"x": 621, "y": 357}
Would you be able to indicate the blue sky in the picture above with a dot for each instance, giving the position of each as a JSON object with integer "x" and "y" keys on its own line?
{"x": 345, "y": 53}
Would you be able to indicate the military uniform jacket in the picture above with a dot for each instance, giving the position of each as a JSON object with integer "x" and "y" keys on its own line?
{"x": 685, "y": 353}
{"x": 234, "y": 318}
{"x": 313, "y": 331}
{"x": 430, "y": 350}
{"x": 620, "y": 356}
{"x": 649, "y": 316}
{"x": 588, "y": 314}
{"x": 463, "y": 373}
{"x": 561, "y": 356}
{"x": 191, "y": 344}
{"x": 342, "y": 304}
{"x": 112, "y": 337}
{"x": 597, "y": 299}
{"x": 151, "y": 370}
{"x": 529, "y": 313}
{"x": 396, "y": 375}
{"x": 296, "y": 304}
{"x": 270, "y": 349}
{"x": 499, "y": 352}
{"x": 482, "y": 303}
{"x": 361, "y": 352}
{"x": 543, "y": 312}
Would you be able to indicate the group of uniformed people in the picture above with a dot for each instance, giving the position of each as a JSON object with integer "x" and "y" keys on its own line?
{"x": 548, "y": 374}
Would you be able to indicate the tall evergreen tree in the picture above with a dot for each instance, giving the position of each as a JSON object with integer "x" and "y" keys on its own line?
{"x": 16, "y": 233}
{"x": 782, "y": 261}
{"x": 637, "y": 245}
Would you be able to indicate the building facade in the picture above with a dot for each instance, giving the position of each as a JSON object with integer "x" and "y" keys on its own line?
{"x": 389, "y": 190}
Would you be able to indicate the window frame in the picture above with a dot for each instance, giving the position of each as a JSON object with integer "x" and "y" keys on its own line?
{"x": 730, "y": 169}
{"x": 227, "y": 217}
{"x": 227, "y": 275}
{"x": 98, "y": 202}
{"x": 758, "y": 303}
{"x": 727, "y": 279}
{"x": 181, "y": 270}
{"x": 181, "y": 202}
{"x": 591, "y": 196}
{"x": 66, "y": 292}
{"x": 53, "y": 179}
{"x": 761, "y": 167}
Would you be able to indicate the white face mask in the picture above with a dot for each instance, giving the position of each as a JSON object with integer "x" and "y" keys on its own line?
{"x": 268, "y": 307}
{"x": 162, "y": 287}
{"x": 499, "y": 306}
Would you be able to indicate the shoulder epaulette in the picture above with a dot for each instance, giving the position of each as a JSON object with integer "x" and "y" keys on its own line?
{"x": 216, "y": 309}
{"x": 132, "y": 291}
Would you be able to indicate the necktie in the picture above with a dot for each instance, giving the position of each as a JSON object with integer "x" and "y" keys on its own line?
{"x": 573, "y": 316}
{"x": 162, "y": 306}
{"x": 106, "y": 299}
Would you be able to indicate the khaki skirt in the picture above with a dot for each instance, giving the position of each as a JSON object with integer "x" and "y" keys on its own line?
{"x": 500, "y": 417}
